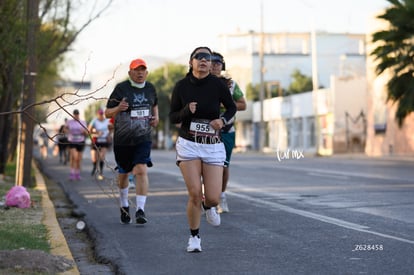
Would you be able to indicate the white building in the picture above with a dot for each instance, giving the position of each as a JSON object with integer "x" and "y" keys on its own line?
{"x": 339, "y": 54}
{"x": 290, "y": 122}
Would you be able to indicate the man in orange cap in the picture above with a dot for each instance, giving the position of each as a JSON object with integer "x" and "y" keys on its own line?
{"x": 134, "y": 106}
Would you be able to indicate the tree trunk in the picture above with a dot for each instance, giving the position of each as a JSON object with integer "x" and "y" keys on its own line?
{"x": 25, "y": 147}
{"x": 6, "y": 121}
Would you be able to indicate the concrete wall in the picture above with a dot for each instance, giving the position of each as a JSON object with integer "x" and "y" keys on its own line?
{"x": 350, "y": 113}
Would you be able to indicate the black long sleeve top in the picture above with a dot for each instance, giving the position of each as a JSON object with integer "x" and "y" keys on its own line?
{"x": 209, "y": 93}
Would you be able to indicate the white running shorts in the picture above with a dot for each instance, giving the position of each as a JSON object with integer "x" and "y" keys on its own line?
{"x": 214, "y": 154}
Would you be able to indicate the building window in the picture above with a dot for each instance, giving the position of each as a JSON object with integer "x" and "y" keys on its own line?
{"x": 289, "y": 132}
{"x": 297, "y": 133}
{"x": 310, "y": 132}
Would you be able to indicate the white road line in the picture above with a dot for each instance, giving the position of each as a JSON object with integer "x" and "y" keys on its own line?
{"x": 166, "y": 172}
{"x": 328, "y": 175}
{"x": 300, "y": 212}
{"x": 303, "y": 213}
{"x": 334, "y": 221}
{"x": 340, "y": 173}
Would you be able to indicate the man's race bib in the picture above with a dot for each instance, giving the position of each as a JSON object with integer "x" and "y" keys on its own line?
{"x": 141, "y": 113}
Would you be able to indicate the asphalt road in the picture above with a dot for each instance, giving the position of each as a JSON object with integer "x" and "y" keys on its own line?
{"x": 295, "y": 215}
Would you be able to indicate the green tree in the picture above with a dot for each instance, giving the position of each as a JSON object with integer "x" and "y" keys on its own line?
{"x": 92, "y": 109}
{"x": 164, "y": 79}
{"x": 12, "y": 35}
{"x": 395, "y": 55}
{"x": 253, "y": 91}
{"x": 54, "y": 38}
{"x": 300, "y": 84}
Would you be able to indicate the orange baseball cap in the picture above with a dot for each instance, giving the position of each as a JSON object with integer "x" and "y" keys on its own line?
{"x": 136, "y": 63}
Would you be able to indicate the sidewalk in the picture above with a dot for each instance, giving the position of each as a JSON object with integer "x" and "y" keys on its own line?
{"x": 78, "y": 246}
{"x": 57, "y": 240}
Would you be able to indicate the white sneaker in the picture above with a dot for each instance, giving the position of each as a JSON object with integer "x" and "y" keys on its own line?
{"x": 194, "y": 244}
{"x": 224, "y": 207}
{"x": 212, "y": 216}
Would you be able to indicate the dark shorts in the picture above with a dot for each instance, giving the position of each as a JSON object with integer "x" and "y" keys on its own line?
{"x": 79, "y": 146}
{"x": 127, "y": 157}
{"x": 63, "y": 143}
{"x": 229, "y": 140}
{"x": 99, "y": 145}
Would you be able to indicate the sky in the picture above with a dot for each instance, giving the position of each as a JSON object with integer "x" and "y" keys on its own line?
{"x": 171, "y": 28}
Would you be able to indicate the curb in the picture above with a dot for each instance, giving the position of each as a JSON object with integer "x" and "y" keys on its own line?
{"x": 58, "y": 244}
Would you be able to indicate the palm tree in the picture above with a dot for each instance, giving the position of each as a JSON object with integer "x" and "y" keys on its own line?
{"x": 395, "y": 54}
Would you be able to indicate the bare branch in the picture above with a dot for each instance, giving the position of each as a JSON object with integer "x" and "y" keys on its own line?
{"x": 62, "y": 102}
{"x": 85, "y": 25}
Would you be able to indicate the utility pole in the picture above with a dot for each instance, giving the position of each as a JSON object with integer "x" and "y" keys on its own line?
{"x": 25, "y": 139}
{"x": 315, "y": 86}
{"x": 262, "y": 85}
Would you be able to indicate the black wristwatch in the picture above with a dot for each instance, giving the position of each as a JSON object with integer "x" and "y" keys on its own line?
{"x": 224, "y": 121}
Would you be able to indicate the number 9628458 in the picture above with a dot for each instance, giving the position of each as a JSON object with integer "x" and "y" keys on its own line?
{"x": 368, "y": 247}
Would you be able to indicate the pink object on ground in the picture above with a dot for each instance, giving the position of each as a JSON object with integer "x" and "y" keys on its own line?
{"x": 18, "y": 196}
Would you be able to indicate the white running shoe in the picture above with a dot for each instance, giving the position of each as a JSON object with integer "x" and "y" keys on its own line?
{"x": 212, "y": 216}
{"x": 224, "y": 207}
{"x": 194, "y": 244}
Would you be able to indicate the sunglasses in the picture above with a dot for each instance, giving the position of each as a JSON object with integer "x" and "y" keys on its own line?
{"x": 200, "y": 56}
{"x": 216, "y": 62}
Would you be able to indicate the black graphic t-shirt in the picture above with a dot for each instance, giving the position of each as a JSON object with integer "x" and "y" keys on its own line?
{"x": 133, "y": 125}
